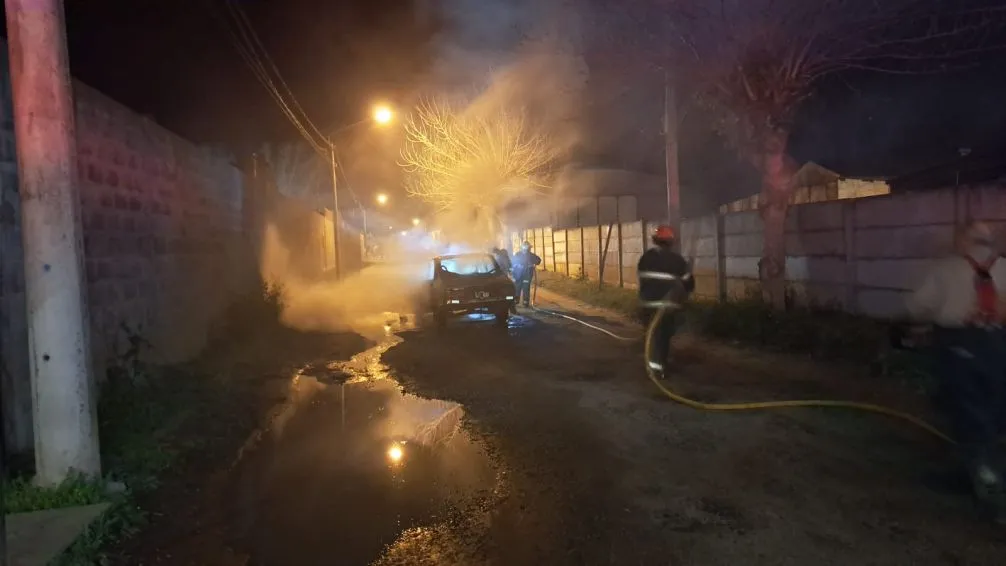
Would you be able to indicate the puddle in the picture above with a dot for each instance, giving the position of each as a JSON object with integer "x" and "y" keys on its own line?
{"x": 485, "y": 322}
{"x": 351, "y": 465}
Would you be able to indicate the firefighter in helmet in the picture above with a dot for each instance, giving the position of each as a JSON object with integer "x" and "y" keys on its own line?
{"x": 524, "y": 263}
{"x": 665, "y": 281}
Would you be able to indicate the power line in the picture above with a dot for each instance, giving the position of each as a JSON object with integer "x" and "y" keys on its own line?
{"x": 345, "y": 175}
{"x": 272, "y": 63}
{"x": 247, "y": 47}
{"x": 245, "y": 41}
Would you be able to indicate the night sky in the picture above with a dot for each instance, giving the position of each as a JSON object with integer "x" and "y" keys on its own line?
{"x": 173, "y": 60}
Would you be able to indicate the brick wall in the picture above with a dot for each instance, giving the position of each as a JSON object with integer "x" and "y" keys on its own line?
{"x": 163, "y": 233}
{"x": 165, "y": 244}
{"x": 302, "y": 245}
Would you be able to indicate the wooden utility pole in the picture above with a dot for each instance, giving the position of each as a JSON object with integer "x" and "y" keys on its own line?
{"x": 671, "y": 154}
{"x": 63, "y": 400}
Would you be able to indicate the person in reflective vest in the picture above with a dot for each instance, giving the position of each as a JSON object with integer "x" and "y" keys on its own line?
{"x": 524, "y": 263}
{"x": 664, "y": 281}
{"x": 962, "y": 296}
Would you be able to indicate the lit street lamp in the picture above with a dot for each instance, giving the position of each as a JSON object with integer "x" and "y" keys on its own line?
{"x": 382, "y": 115}
{"x": 415, "y": 222}
{"x": 382, "y": 199}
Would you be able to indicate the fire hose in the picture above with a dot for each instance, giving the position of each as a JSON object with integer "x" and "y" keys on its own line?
{"x": 754, "y": 406}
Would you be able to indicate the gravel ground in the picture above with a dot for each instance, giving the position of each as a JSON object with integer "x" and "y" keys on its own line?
{"x": 545, "y": 444}
{"x": 602, "y": 470}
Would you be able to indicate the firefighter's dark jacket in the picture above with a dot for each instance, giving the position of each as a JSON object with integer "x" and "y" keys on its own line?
{"x": 654, "y": 290}
{"x": 524, "y": 263}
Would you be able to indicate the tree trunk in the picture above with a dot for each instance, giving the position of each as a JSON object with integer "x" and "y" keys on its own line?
{"x": 777, "y": 176}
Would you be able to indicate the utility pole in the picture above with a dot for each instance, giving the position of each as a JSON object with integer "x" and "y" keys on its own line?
{"x": 4, "y": 553}
{"x": 363, "y": 210}
{"x": 671, "y": 154}
{"x": 63, "y": 401}
{"x": 335, "y": 209}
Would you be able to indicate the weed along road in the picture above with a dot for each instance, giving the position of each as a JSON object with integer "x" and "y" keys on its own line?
{"x": 544, "y": 443}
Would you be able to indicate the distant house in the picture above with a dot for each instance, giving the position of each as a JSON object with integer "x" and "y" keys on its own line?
{"x": 814, "y": 183}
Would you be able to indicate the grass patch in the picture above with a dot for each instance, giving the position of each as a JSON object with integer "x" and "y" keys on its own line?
{"x": 21, "y": 496}
{"x": 608, "y": 296}
{"x": 817, "y": 332}
{"x": 143, "y": 414}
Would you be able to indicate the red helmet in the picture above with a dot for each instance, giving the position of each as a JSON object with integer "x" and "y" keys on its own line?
{"x": 663, "y": 233}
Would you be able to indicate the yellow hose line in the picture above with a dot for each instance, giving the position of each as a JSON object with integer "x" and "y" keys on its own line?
{"x": 867, "y": 407}
{"x": 725, "y": 407}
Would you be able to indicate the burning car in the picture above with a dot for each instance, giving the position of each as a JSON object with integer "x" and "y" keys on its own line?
{"x": 466, "y": 283}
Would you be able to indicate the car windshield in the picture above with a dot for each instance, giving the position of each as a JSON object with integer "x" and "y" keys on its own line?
{"x": 473, "y": 264}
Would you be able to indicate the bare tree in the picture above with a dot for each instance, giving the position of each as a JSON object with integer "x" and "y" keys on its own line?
{"x": 753, "y": 62}
{"x": 460, "y": 160}
{"x": 299, "y": 171}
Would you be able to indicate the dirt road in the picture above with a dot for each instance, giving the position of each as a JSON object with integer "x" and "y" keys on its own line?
{"x": 544, "y": 444}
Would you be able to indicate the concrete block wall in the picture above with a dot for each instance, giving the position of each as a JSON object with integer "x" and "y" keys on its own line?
{"x": 699, "y": 244}
{"x": 862, "y": 255}
{"x": 580, "y": 252}
{"x": 167, "y": 235}
{"x": 162, "y": 231}
{"x": 16, "y": 394}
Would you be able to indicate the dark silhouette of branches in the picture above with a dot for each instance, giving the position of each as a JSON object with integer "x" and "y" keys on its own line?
{"x": 753, "y": 62}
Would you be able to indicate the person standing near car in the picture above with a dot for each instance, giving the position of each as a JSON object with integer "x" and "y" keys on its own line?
{"x": 524, "y": 264}
{"x": 503, "y": 259}
{"x": 665, "y": 282}
{"x": 964, "y": 297}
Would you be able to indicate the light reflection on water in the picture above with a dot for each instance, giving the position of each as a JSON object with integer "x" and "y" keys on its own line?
{"x": 352, "y": 464}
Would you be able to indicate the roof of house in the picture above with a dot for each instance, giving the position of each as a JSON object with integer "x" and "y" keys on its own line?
{"x": 811, "y": 171}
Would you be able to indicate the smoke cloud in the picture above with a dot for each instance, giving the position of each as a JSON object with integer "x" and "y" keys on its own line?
{"x": 493, "y": 57}
{"x": 510, "y": 57}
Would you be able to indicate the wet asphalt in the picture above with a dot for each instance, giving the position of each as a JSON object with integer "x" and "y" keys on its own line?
{"x": 357, "y": 470}
{"x": 543, "y": 443}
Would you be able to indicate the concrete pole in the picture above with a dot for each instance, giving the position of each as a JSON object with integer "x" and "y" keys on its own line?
{"x": 335, "y": 210}
{"x": 64, "y": 412}
{"x": 671, "y": 154}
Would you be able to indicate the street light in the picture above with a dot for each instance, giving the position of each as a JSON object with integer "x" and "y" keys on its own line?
{"x": 382, "y": 199}
{"x": 415, "y": 222}
{"x": 382, "y": 115}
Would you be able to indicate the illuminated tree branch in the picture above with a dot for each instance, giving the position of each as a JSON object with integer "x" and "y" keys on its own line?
{"x": 456, "y": 159}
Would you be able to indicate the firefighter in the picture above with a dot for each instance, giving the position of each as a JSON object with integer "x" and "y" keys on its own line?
{"x": 502, "y": 259}
{"x": 664, "y": 281}
{"x": 962, "y": 296}
{"x": 524, "y": 263}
